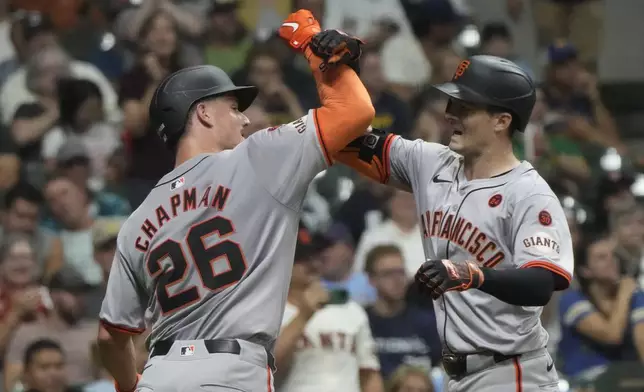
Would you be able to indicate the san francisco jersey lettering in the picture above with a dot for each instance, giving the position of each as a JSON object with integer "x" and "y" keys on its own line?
{"x": 513, "y": 220}
{"x": 209, "y": 252}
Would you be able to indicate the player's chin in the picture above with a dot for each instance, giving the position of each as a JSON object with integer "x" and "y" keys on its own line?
{"x": 456, "y": 143}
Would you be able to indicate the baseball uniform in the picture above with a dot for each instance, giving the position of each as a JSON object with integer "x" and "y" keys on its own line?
{"x": 208, "y": 255}
{"x": 335, "y": 345}
{"x": 512, "y": 220}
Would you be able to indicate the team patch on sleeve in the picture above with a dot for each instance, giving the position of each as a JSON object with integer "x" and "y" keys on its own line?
{"x": 542, "y": 243}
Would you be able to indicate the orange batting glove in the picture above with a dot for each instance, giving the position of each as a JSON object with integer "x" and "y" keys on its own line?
{"x": 299, "y": 28}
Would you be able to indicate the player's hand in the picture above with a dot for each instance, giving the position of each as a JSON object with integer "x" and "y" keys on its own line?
{"x": 314, "y": 299}
{"x": 26, "y": 301}
{"x": 436, "y": 277}
{"x": 299, "y": 28}
{"x": 335, "y": 47}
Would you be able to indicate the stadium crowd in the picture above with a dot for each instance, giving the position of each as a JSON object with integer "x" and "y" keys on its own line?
{"x": 77, "y": 157}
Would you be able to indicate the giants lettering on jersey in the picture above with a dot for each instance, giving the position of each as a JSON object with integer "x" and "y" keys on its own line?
{"x": 180, "y": 202}
{"x": 464, "y": 234}
{"x": 333, "y": 341}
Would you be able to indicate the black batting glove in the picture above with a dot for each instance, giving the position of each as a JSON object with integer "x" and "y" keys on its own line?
{"x": 335, "y": 47}
{"x": 436, "y": 277}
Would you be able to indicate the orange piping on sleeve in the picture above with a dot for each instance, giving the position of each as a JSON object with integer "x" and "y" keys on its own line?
{"x": 346, "y": 110}
{"x": 550, "y": 267}
{"x": 121, "y": 328}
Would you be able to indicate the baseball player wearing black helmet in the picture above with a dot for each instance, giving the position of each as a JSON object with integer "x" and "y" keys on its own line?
{"x": 496, "y": 239}
{"x": 205, "y": 261}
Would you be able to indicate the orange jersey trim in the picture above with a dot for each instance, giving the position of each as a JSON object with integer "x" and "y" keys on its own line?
{"x": 121, "y": 328}
{"x": 518, "y": 374}
{"x": 550, "y": 267}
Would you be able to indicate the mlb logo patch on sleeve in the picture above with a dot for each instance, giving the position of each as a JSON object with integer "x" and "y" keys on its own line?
{"x": 177, "y": 183}
{"x": 187, "y": 351}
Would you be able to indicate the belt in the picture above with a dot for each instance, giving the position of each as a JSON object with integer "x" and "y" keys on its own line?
{"x": 215, "y": 346}
{"x": 455, "y": 365}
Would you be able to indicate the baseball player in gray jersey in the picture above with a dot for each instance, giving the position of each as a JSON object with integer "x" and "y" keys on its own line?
{"x": 205, "y": 261}
{"x": 495, "y": 236}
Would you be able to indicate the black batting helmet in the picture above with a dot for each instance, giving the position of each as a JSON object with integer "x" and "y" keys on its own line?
{"x": 494, "y": 81}
{"x": 176, "y": 95}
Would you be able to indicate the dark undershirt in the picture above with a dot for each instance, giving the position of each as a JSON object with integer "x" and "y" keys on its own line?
{"x": 522, "y": 287}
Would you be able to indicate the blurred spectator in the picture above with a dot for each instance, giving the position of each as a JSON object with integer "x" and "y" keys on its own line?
{"x": 496, "y": 40}
{"x": 602, "y": 318}
{"x": 392, "y": 114}
{"x": 580, "y": 21}
{"x": 613, "y": 192}
{"x": 21, "y": 296}
{"x": 149, "y": 158}
{"x": 325, "y": 341}
{"x": 364, "y": 209}
{"x": 116, "y": 172}
{"x": 369, "y": 20}
{"x": 70, "y": 210}
{"x": 410, "y": 379}
{"x": 62, "y": 324}
{"x": 430, "y": 124}
{"x": 227, "y": 40}
{"x": 446, "y": 62}
{"x": 22, "y": 210}
{"x": 6, "y": 49}
{"x": 82, "y": 117}
{"x": 9, "y": 166}
{"x": 44, "y": 364}
{"x": 404, "y": 334}
{"x": 401, "y": 229}
{"x": 279, "y": 101}
{"x": 627, "y": 226}
{"x": 105, "y": 232}
{"x": 25, "y": 84}
{"x": 409, "y": 61}
{"x": 337, "y": 262}
{"x": 187, "y": 20}
{"x": 258, "y": 118}
{"x": 572, "y": 93}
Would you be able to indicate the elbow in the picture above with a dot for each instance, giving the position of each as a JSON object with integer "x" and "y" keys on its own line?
{"x": 104, "y": 338}
{"x": 613, "y": 337}
{"x": 366, "y": 115}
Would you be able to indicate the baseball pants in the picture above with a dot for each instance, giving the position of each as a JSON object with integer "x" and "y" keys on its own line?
{"x": 189, "y": 367}
{"x": 531, "y": 372}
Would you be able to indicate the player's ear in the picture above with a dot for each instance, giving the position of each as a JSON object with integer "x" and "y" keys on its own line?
{"x": 203, "y": 115}
{"x": 503, "y": 122}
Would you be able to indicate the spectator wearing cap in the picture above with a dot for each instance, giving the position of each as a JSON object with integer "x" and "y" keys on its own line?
{"x": 227, "y": 41}
{"x": 25, "y": 85}
{"x": 572, "y": 93}
{"x": 613, "y": 193}
{"x": 73, "y": 162}
{"x": 401, "y": 229}
{"x": 44, "y": 363}
{"x": 325, "y": 342}
{"x": 496, "y": 40}
{"x": 82, "y": 117}
{"x": 627, "y": 226}
{"x": 22, "y": 210}
{"x": 337, "y": 265}
{"x": 392, "y": 114}
{"x": 404, "y": 333}
{"x": 105, "y": 232}
{"x": 63, "y": 324}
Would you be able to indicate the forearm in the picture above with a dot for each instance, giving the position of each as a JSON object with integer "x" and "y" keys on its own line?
{"x": 141, "y": 14}
{"x": 520, "y": 287}
{"x": 286, "y": 342}
{"x": 619, "y": 317}
{"x": 26, "y": 131}
{"x": 605, "y": 122}
{"x": 117, "y": 354}
{"x": 371, "y": 381}
{"x": 187, "y": 22}
{"x": 7, "y": 327}
{"x": 346, "y": 109}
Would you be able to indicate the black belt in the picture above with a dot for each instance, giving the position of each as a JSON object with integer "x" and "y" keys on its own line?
{"x": 216, "y": 346}
{"x": 455, "y": 365}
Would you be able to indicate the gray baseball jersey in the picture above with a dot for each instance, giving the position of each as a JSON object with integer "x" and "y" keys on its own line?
{"x": 513, "y": 220}
{"x": 209, "y": 252}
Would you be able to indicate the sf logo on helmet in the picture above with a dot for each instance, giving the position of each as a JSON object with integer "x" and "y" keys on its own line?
{"x": 460, "y": 70}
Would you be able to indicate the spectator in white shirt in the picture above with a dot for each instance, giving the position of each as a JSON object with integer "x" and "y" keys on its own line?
{"x": 402, "y": 230}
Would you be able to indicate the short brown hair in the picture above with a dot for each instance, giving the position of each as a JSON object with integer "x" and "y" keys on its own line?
{"x": 377, "y": 253}
{"x": 397, "y": 379}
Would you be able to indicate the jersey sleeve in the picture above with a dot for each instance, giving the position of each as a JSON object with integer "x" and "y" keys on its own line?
{"x": 637, "y": 307}
{"x": 288, "y": 157}
{"x": 123, "y": 307}
{"x": 542, "y": 237}
{"x": 392, "y": 159}
{"x": 574, "y": 307}
{"x": 365, "y": 344}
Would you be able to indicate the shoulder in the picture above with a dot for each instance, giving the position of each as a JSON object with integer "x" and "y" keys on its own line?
{"x": 529, "y": 187}
{"x": 571, "y": 297}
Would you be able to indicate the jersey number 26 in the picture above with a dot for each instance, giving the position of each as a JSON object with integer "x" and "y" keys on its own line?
{"x": 202, "y": 257}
